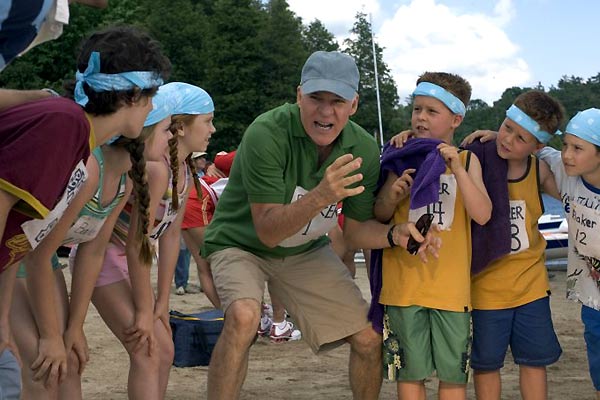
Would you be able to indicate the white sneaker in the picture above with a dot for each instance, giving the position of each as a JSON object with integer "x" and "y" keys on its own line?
{"x": 284, "y": 334}
{"x": 180, "y": 291}
{"x": 264, "y": 327}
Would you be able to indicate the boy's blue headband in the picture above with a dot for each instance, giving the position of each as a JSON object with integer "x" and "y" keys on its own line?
{"x": 586, "y": 125}
{"x": 100, "y": 82}
{"x": 450, "y": 100}
{"x": 529, "y": 124}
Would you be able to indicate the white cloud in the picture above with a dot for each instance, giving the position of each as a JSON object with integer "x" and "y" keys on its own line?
{"x": 425, "y": 35}
{"x": 337, "y": 15}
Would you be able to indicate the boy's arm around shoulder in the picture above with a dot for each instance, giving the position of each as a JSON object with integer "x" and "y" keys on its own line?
{"x": 475, "y": 196}
{"x": 553, "y": 159}
{"x": 547, "y": 181}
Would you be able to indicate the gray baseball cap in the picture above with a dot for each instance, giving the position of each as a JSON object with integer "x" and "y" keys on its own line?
{"x": 330, "y": 71}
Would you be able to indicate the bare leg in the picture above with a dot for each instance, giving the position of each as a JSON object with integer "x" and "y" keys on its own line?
{"x": 194, "y": 238}
{"x": 533, "y": 383}
{"x": 452, "y": 391}
{"x": 278, "y": 307}
{"x": 487, "y": 385}
{"x": 164, "y": 338}
{"x": 27, "y": 337}
{"x": 7, "y": 201}
{"x": 7, "y": 283}
{"x": 229, "y": 361}
{"x": 365, "y": 364}
{"x": 411, "y": 390}
{"x": 115, "y": 305}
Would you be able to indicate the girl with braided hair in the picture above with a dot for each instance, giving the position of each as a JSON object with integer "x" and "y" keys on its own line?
{"x": 118, "y": 71}
{"x": 123, "y": 295}
{"x": 106, "y": 190}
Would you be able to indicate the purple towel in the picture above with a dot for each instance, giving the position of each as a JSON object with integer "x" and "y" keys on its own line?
{"x": 416, "y": 153}
{"x": 422, "y": 155}
{"x": 492, "y": 240}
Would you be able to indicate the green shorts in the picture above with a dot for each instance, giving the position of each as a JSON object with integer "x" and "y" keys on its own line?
{"x": 21, "y": 273}
{"x": 418, "y": 340}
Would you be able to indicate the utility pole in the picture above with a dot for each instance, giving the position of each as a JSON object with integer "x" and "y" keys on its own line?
{"x": 376, "y": 85}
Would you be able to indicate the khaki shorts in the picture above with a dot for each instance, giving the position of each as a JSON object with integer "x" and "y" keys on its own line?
{"x": 315, "y": 287}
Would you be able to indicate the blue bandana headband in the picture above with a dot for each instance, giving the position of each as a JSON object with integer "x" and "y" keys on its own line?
{"x": 432, "y": 90}
{"x": 188, "y": 99}
{"x": 163, "y": 104}
{"x": 100, "y": 82}
{"x": 529, "y": 124}
{"x": 586, "y": 125}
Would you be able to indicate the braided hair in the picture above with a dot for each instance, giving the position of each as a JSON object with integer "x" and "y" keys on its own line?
{"x": 178, "y": 122}
{"x": 138, "y": 175}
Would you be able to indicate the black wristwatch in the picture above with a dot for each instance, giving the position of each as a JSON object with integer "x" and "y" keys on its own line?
{"x": 390, "y": 236}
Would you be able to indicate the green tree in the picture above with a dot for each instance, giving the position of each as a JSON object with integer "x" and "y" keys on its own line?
{"x": 182, "y": 31}
{"x": 284, "y": 54}
{"x": 360, "y": 47}
{"x": 234, "y": 72}
{"x": 316, "y": 37}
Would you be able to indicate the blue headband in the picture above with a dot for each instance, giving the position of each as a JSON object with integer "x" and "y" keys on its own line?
{"x": 100, "y": 82}
{"x": 162, "y": 107}
{"x": 586, "y": 125}
{"x": 163, "y": 104}
{"x": 529, "y": 124}
{"x": 450, "y": 100}
{"x": 189, "y": 99}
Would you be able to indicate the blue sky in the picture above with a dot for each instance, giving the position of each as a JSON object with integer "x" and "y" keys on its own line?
{"x": 495, "y": 44}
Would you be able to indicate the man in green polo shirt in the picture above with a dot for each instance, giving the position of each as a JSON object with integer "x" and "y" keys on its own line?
{"x": 294, "y": 164}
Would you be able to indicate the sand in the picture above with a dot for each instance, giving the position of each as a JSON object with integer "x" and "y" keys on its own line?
{"x": 291, "y": 371}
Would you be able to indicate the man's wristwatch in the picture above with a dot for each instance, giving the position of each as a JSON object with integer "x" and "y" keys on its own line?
{"x": 390, "y": 236}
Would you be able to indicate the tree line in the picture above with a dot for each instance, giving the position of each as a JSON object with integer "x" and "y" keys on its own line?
{"x": 248, "y": 55}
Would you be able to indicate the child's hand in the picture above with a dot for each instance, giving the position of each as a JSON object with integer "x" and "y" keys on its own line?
{"x": 51, "y": 361}
{"x": 76, "y": 341}
{"x": 142, "y": 332}
{"x": 401, "y": 186}
{"x": 450, "y": 155}
{"x": 399, "y": 139}
{"x": 483, "y": 136}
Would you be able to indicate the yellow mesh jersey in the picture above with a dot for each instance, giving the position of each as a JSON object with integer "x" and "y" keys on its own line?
{"x": 442, "y": 283}
{"x": 519, "y": 277}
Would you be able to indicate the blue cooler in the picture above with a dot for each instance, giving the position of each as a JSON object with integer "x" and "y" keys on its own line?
{"x": 195, "y": 336}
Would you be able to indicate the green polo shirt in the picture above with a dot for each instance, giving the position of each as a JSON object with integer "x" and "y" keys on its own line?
{"x": 274, "y": 158}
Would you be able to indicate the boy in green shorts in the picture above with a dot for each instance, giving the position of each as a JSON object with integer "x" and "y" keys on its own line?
{"x": 426, "y": 323}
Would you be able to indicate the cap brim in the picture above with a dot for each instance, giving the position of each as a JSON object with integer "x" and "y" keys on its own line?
{"x": 327, "y": 85}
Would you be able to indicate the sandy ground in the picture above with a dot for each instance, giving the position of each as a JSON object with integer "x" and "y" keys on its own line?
{"x": 292, "y": 371}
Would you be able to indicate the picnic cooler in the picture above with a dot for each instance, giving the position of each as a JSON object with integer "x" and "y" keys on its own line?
{"x": 195, "y": 336}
